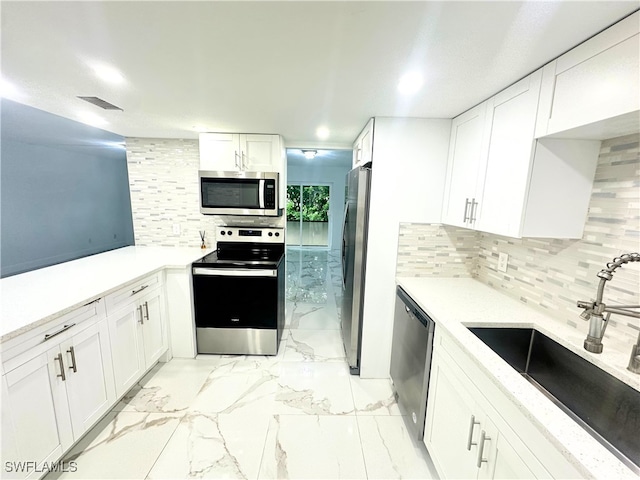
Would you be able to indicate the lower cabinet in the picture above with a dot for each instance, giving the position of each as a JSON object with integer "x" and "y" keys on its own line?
{"x": 466, "y": 435}
{"x": 52, "y": 394}
{"x": 462, "y": 439}
{"x": 59, "y": 380}
{"x": 138, "y": 339}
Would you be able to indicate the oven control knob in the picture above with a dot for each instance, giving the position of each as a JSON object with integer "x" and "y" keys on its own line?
{"x": 222, "y": 232}
{"x": 277, "y": 234}
{"x": 271, "y": 234}
{"x": 229, "y": 233}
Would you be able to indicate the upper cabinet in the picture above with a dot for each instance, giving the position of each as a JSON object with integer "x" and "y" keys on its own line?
{"x": 241, "y": 152}
{"x": 593, "y": 91}
{"x": 465, "y": 168}
{"x": 501, "y": 180}
{"x": 363, "y": 146}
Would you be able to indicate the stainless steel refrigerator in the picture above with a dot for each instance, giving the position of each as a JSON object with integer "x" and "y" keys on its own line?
{"x": 354, "y": 256}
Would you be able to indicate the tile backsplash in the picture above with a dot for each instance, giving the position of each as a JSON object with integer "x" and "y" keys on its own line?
{"x": 163, "y": 179}
{"x": 549, "y": 274}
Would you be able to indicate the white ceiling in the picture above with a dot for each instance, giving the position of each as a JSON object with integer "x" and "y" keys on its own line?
{"x": 281, "y": 67}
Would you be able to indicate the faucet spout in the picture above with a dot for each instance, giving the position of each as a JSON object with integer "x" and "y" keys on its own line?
{"x": 593, "y": 311}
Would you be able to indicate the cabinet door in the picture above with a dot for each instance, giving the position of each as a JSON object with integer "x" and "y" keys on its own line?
{"x": 506, "y": 463}
{"x": 153, "y": 329}
{"x": 464, "y": 166}
{"x": 363, "y": 146}
{"x": 36, "y": 402}
{"x": 260, "y": 153}
{"x": 452, "y": 421}
{"x": 509, "y": 133}
{"x": 599, "y": 79}
{"x": 219, "y": 151}
{"x": 126, "y": 347}
{"x": 90, "y": 384}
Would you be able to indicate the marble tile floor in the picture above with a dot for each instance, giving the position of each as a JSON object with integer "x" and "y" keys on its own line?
{"x": 296, "y": 415}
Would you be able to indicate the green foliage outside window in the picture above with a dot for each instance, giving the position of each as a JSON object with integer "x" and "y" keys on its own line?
{"x": 315, "y": 203}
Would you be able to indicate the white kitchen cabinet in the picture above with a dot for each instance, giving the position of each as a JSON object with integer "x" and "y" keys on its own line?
{"x": 596, "y": 84}
{"x": 38, "y": 410}
{"x": 126, "y": 347}
{"x": 241, "y": 152}
{"x": 363, "y": 146}
{"x": 137, "y": 331}
{"x": 523, "y": 187}
{"x": 56, "y": 387}
{"x": 465, "y": 168}
{"x": 471, "y": 425}
{"x": 461, "y": 437}
{"x": 89, "y": 376}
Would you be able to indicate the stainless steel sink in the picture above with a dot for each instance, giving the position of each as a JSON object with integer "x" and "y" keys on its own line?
{"x": 606, "y": 407}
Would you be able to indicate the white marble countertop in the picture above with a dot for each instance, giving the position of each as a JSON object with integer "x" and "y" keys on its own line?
{"x": 31, "y": 299}
{"x": 454, "y": 303}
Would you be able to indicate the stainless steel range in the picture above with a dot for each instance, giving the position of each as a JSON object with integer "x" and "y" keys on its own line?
{"x": 239, "y": 292}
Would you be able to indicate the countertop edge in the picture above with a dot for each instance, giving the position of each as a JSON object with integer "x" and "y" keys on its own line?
{"x": 160, "y": 262}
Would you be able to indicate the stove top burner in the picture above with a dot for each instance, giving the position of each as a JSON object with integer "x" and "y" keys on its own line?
{"x": 258, "y": 250}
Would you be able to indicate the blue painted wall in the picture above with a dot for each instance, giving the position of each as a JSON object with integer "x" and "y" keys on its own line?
{"x": 64, "y": 190}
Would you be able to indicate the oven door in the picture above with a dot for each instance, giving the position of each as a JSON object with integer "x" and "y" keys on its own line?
{"x": 235, "y": 298}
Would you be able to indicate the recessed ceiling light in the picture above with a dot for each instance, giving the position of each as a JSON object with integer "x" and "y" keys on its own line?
{"x": 108, "y": 74}
{"x": 410, "y": 83}
{"x": 91, "y": 118}
{"x": 322, "y": 133}
{"x": 309, "y": 154}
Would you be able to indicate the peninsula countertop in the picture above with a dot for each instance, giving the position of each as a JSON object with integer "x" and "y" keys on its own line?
{"x": 31, "y": 299}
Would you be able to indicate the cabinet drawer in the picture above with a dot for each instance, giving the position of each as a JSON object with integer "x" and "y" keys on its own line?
{"x": 41, "y": 338}
{"x": 132, "y": 292}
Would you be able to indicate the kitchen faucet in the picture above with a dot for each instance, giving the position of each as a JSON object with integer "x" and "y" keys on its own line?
{"x": 593, "y": 311}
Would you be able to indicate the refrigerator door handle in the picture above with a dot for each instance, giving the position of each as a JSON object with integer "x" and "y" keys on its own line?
{"x": 344, "y": 244}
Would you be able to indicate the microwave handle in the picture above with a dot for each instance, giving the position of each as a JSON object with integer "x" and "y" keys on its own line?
{"x": 261, "y": 192}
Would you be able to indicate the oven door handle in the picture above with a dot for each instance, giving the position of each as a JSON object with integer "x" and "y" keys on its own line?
{"x": 235, "y": 272}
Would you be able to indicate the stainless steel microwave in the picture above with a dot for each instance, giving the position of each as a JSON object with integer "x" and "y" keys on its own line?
{"x": 239, "y": 193}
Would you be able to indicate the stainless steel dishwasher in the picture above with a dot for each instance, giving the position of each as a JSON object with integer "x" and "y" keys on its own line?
{"x": 411, "y": 350}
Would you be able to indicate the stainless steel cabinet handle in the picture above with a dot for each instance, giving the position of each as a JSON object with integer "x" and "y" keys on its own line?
{"x": 141, "y": 321}
{"x": 466, "y": 208}
{"x": 134, "y": 292}
{"x": 146, "y": 309}
{"x": 91, "y": 302}
{"x": 483, "y": 437}
{"x": 49, "y": 336}
{"x": 73, "y": 359}
{"x": 472, "y": 217}
{"x": 244, "y": 165}
{"x": 237, "y": 159}
{"x": 61, "y": 374}
{"x": 472, "y": 424}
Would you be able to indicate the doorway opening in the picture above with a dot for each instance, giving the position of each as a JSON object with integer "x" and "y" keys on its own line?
{"x": 308, "y": 215}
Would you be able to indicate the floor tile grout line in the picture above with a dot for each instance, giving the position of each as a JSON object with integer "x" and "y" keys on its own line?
{"x": 166, "y": 443}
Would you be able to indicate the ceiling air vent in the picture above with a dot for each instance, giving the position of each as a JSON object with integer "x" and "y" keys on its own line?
{"x": 98, "y": 102}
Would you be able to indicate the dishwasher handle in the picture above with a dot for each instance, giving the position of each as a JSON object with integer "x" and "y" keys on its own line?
{"x": 412, "y": 309}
